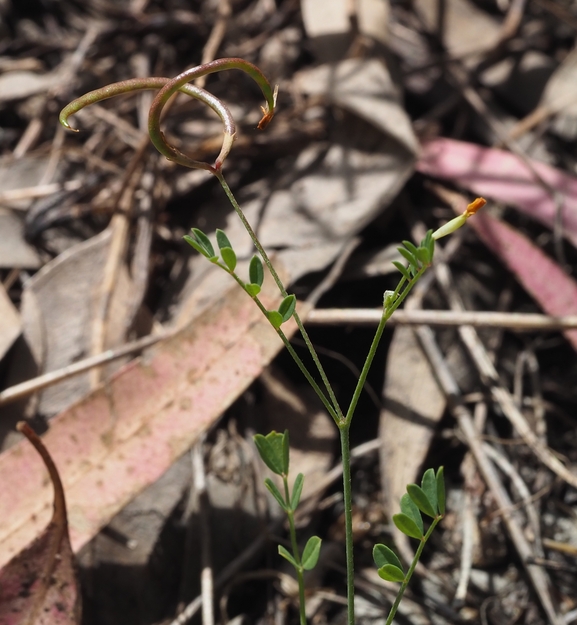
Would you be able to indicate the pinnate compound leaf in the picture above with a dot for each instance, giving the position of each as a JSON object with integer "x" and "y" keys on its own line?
{"x": 275, "y": 318}
{"x": 229, "y": 257}
{"x": 256, "y": 271}
{"x": 383, "y": 555}
{"x": 275, "y": 492}
{"x": 441, "y": 490}
{"x": 297, "y": 491}
{"x": 287, "y": 556}
{"x": 429, "y": 486}
{"x": 222, "y": 240}
{"x": 271, "y": 450}
{"x": 409, "y": 508}
{"x": 417, "y": 494}
{"x": 391, "y": 573}
{"x": 252, "y": 289}
{"x": 404, "y": 271}
{"x": 311, "y": 553}
{"x": 406, "y": 525}
{"x": 287, "y": 307}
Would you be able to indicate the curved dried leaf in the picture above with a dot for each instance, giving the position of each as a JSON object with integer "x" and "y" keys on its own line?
{"x": 39, "y": 585}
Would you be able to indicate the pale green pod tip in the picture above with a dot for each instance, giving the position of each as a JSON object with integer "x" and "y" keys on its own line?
{"x": 450, "y": 226}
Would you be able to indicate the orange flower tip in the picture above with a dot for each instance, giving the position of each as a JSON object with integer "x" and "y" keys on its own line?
{"x": 475, "y": 205}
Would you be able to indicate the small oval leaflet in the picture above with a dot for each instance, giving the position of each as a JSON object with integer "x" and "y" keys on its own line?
{"x": 256, "y": 271}
{"x": 383, "y": 555}
{"x": 272, "y": 450}
{"x": 275, "y": 318}
{"x": 222, "y": 239}
{"x": 204, "y": 242}
{"x": 287, "y": 307}
{"x": 311, "y": 553}
{"x": 429, "y": 486}
{"x": 419, "y": 497}
{"x": 391, "y": 573}
{"x": 406, "y": 525}
{"x": 441, "y": 489}
{"x": 404, "y": 271}
{"x": 409, "y": 508}
{"x": 229, "y": 257}
{"x": 411, "y": 258}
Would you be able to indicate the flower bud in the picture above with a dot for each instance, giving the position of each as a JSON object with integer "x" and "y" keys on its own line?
{"x": 457, "y": 222}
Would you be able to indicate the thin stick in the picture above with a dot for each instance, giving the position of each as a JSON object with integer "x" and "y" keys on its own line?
{"x": 215, "y": 38}
{"x": 490, "y": 377}
{"x": 206, "y": 576}
{"x": 516, "y": 322}
{"x": 539, "y": 578}
{"x": 18, "y": 391}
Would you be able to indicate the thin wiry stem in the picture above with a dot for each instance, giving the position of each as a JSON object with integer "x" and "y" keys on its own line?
{"x": 276, "y": 278}
{"x": 388, "y": 310}
{"x": 300, "y": 364}
{"x": 296, "y": 553}
{"x": 411, "y": 570}
{"x": 344, "y": 434}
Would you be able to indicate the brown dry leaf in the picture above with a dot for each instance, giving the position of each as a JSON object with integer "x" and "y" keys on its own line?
{"x": 125, "y": 435}
{"x": 365, "y": 88}
{"x": 22, "y": 84}
{"x": 468, "y": 30}
{"x": 413, "y": 405}
{"x": 560, "y": 97}
{"x": 21, "y": 173}
{"x": 329, "y": 26}
{"x": 10, "y": 324}
{"x": 15, "y": 252}
{"x": 58, "y": 307}
{"x": 39, "y": 585}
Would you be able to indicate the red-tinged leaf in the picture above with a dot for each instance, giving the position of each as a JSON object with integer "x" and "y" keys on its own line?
{"x": 504, "y": 177}
{"x": 124, "y": 436}
{"x": 39, "y": 586}
{"x": 541, "y": 277}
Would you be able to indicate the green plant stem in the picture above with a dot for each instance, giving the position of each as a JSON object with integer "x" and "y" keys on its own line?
{"x": 344, "y": 433}
{"x": 296, "y": 553}
{"x": 300, "y": 364}
{"x": 336, "y": 408}
{"x": 411, "y": 570}
{"x": 387, "y": 312}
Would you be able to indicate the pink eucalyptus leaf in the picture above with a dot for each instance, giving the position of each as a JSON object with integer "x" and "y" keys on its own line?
{"x": 127, "y": 433}
{"x": 541, "y": 277}
{"x": 504, "y": 177}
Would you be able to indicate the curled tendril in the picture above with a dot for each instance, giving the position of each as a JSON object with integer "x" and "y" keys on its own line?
{"x": 180, "y": 81}
{"x": 167, "y": 87}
